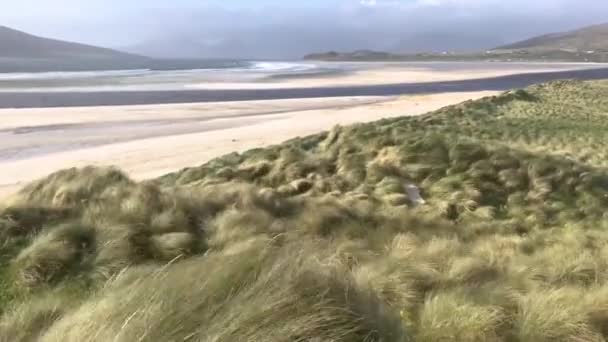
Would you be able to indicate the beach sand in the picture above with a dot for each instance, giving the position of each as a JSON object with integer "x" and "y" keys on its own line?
{"x": 149, "y": 141}
{"x": 402, "y": 73}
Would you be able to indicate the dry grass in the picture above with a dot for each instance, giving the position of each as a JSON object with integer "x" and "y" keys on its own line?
{"x": 280, "y": 296}
{"x": 318, "y": 239}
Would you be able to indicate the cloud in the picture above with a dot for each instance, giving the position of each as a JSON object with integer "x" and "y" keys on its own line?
{"x": 289, "y": 29}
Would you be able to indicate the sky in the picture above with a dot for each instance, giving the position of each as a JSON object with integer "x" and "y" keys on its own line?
{"x": 292, "y": 28}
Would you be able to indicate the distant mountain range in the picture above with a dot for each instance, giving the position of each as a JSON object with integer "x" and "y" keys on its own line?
{"x": 589, "y": 44}
{"x": 23, "y": 52}
{"x": 587, "y": 39}
{"x": 18, "y": 44}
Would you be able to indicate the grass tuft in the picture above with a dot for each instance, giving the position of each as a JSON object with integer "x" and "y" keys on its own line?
{"x": 318, "y": 239}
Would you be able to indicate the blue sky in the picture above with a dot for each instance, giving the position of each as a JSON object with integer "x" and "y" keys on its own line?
{"x": 290, "y": 27}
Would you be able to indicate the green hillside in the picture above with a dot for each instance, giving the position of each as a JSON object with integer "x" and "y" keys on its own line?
{"x": 591, "y": 38}
{"x": 587, "y": 44}
{"x": 318, "y": 239}
{"x": 17, "y": 44}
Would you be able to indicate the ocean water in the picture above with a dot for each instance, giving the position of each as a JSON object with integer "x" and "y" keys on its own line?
{"x": 163, "y": 75}
{"x": 214, "y": 74}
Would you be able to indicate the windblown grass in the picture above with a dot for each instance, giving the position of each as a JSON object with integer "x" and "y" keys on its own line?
{"x": 318, "y": 239}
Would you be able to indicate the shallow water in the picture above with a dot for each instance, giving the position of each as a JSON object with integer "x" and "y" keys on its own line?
{"x": 183, "y": 75}
{"x": 159, "y": 77}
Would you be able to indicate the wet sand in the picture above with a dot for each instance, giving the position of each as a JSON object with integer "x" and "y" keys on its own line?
{"x": 372, "y": 82}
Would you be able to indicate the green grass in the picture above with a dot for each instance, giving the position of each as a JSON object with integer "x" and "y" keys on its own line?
{"x": 317, "y": 239}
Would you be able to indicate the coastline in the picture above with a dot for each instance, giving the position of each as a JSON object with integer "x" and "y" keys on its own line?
{"x": 364, "y": 84}
{"x": 151, "y": 133}
{"x": 144, "y": 157}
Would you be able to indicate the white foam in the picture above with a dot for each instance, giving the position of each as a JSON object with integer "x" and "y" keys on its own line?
{"x": 282, "y": 66}
{"x": 70, "y": 74}
{"x": 243, "y": 76}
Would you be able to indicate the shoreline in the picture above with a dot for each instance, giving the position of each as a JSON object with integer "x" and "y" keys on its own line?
{"x": 54, "y": 130}
{"x": 144, "y": 157}
{"x": 422, "y": 86}
{"x": 151, "y": 133}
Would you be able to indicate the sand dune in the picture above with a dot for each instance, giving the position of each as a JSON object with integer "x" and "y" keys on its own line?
{"x": 148, "y": 141}
{"x": 151, "y": 140}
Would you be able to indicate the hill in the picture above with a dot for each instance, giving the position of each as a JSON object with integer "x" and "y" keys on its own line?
{"x": 23, "y": 52}
{"x": 585, "y": 40}
{"x": 361, "y": 55}
{"x": 483, "y": 221}
{"x": 17, "y": 44}
{"x": 517, "y": 55}
{"x": 589, "y": 44}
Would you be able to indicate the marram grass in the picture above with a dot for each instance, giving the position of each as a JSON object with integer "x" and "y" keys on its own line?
{"x": 318, "y": 239}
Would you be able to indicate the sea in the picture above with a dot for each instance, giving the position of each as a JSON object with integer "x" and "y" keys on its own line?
{"x": 35, "y": 76}
{"x": 163, "y": 75}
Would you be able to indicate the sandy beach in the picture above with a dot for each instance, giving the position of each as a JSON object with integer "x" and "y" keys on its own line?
{"x": 149, "y": 141}
{"x": 402, "y": 73}
{"x": 394, "y": 80}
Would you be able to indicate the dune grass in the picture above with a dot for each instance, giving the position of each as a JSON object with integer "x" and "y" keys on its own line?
{"x": 320, "y": 239}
